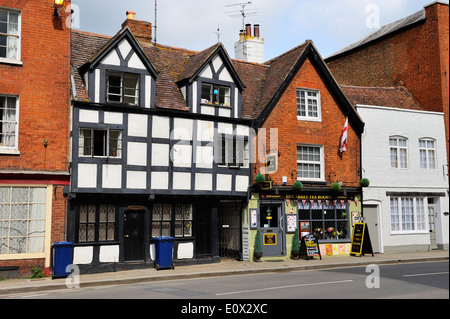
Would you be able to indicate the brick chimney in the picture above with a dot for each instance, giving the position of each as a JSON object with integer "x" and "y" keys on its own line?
{"x": 142, "y": 30}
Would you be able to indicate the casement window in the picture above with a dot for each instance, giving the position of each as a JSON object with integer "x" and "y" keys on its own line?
{"x": 233, "y": 151}
{"x": 9, "y": 111}
{"x": 216, "y": 94}
{"x": 100, "y": 143}
{"x": 327, "y": 220}
{"x": 122, "y": 88}
{"x": 398, "y": 151}
{"x": 23, "y": 213}
{"x": 9, "y": 36}
{"x": 408, "y": 214}
{"x": 172, "y": 220}
{"x": 96, "y": 223}
{"x": 310, "y": 162}
{"x": 308, "y": 105}
{"x": 427, "y": 153}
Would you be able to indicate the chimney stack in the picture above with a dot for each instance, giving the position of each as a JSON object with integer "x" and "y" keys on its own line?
{"x": 142, "y": 30}
{"x": 256, "y": 31}
{"x": 131, "y": 15}
{"x": 250, "y": 48}
{"x": 248, "y": 30}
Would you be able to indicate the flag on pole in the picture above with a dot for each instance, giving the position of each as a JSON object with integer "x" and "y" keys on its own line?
{"x": 343, "y": 146}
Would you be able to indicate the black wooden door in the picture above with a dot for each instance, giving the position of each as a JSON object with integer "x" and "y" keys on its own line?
{"x": 134, "y": 236}
{"x": 203, "y": 232}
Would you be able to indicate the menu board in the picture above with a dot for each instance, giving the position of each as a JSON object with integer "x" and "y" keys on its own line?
{"x": 361, "y": 243}
{"x": 309, "y": 247}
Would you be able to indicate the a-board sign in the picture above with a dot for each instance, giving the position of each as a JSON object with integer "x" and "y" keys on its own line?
{"x": 309, "y": 247}
{"x": 361, "y": 243}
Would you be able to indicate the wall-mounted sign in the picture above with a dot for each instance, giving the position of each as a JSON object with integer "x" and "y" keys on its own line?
{"x": 270, "y": 239}
{"x": 271, "y": 163}
{"x": 291, "y": 221}
{"x": 253, "y": 218}
{"x": 266, "y": 185}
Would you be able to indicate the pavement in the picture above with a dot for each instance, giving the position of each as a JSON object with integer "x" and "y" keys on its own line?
{"x": 224, "y": 268}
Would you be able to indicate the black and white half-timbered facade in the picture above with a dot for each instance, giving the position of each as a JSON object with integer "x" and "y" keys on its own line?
{"x": 159, "y": 148}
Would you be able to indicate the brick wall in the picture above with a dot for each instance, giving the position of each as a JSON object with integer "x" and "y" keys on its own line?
{"x": 417, "y": 57}
{"x": 42, "y": 84}
{"x": 327, "y": 132}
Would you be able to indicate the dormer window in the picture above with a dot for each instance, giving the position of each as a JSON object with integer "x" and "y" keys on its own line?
{"x": 216, "y": 94}
{"x": 122, "y": 88}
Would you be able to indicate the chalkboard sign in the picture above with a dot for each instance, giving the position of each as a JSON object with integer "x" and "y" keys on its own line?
{"x": 309, "y": 247}
{"x": 361, "y": 243}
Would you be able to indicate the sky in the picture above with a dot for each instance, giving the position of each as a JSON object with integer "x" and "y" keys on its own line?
{"x": 284, "y": 24}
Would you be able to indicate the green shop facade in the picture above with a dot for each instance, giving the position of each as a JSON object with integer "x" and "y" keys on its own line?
{"x": 278, "y": 211}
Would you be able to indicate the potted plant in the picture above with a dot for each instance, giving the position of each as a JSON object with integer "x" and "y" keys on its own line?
{"x": 296, "y": 245}
{"x": 258, "y": 246}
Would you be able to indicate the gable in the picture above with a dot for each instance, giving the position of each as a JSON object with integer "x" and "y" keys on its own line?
{"x": 216, "y": 70}
{"x": 122, "y": 51}
{"x": 291, "y": 63}
{"x": 212, "y": 63}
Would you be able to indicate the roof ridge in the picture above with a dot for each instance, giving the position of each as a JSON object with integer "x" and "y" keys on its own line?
{"x": 287, "y": 52}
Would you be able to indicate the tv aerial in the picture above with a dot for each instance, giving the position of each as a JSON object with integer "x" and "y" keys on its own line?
{"x": 244, "y": 13}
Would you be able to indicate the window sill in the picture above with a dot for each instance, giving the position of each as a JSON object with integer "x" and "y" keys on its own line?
{"x": 11, "y": 62}
{"x": 217, "y": 105}
{"x": 308, "y": 119}
{"x": 411, "y": 232}
{"x": 9, "y": 152}
{"x": 232, "y": 167}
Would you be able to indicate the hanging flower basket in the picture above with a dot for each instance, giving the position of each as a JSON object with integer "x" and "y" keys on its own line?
{"x": 298, "y": 186}
{"x": 336, "y": 187}
{"x": 259, "y": 179}
{"x": 365, "y": 182}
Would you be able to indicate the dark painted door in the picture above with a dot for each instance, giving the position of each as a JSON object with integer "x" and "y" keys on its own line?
{"x": 134, "y": 236}
{"x": 203, "y": 232}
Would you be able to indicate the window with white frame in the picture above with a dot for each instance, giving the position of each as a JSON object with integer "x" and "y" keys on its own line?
{"x": 122, "y": 88}
{"x": 427, "y": 153}
{"x": 398, "y": 151}
{"x": 308, "y": 105}
{"x": 408, "y": 214}
{"x": 9, "y": 35}
{"x": 100, "y": 143}
{"x": 22, "y": 220}
{"x": 8, "y": 122}
{"x": 310, "y": 162}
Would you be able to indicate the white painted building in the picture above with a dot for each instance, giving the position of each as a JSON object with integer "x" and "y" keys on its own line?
{"x": 404, "y": 156}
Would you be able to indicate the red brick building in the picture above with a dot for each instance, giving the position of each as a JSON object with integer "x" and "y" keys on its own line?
{"x": 412, "y": 52}
{"x": 34, "y": 131}
{"x": 300, "y": 113}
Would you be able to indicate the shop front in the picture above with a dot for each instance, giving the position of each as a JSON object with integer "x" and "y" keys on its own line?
{"x": 327, "y": 216}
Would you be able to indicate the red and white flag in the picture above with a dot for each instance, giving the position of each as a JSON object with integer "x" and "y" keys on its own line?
{"x": 343, "y": 146}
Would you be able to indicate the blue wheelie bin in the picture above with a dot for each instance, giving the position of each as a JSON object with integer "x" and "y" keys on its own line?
{"x": 62, "y": 257}
{"x": 163, "y": 252}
